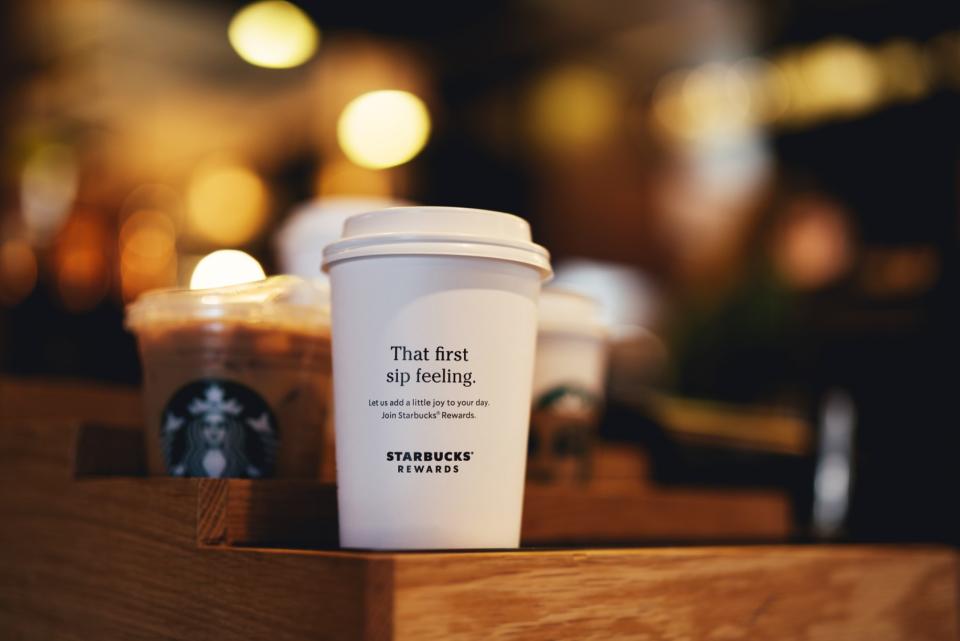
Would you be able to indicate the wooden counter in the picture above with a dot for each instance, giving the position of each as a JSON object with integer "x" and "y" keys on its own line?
{"x": 86, "y": 554}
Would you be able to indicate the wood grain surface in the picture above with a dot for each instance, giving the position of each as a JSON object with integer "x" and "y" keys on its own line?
{"x": 105, "y": 558}
{"x": 781, "y": 593}
{"x": 242, "y": 512}
{"x": 117, "y": 558}
{"x": 25, "y": 399}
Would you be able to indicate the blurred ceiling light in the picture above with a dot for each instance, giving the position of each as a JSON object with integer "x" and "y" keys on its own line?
{"x": 343, "y": 178}
{"x": 716, "y": 98}
{"x": 943, "y": 52}
{"x": 574, "y": 107}
{"x": 273, "y": 34}
{"x": 48, "y": 188}
{"x": 906, "y": 70}
{"x": 767, "y": 86}
{"x": 830, "y": 78}
{"x": 841, "y": 76}
{"x": 706, "y": 102}
{"x": 18, "y": 271}
{"x": 383, "y": 128}
{"x": 226, "y": 203}
{"x": 147, "y": 253}
{"x": 226, "y": 267}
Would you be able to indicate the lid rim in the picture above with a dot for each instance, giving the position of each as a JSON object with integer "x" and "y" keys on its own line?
{"x": 539, "y": 260}
{"x": 274, "y": 301}
{"x": 438, "y": 230}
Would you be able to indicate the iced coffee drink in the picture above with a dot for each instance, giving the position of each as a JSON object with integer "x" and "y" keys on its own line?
{"x": 236, "y": 380}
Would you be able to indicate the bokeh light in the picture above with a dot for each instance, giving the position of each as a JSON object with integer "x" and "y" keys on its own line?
{"x": 18, "y": 271}
{"x": 383, "y": 128}
{"x": 813, "y": 244}
{"x": 226, "y": 267}
{"x": 273, "y": 34}
{"x": 833, "y": 78}
{"x": 572, "y": 107}
{"x": 906, "y": 69}
{"x": 48, "y": 188}
{"x": 226, "y": 203}
{"x": 708, "y": 102}
{"x": 81, "y": 264}
{"x": 147, "y": 253}
{"x": 892, "y": 272}
{"x": 841, "y": 76}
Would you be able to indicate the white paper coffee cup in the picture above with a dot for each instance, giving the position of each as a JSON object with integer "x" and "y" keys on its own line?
{"x": 571, "y": 343}
{"x": 434, "y": 328}
{"x": 568, "y": 386}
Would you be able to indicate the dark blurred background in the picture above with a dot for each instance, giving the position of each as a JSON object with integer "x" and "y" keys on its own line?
{"x": 768, "y": 189}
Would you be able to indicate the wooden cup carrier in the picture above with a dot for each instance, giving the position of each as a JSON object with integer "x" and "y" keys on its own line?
{"x": 91, "y": 549}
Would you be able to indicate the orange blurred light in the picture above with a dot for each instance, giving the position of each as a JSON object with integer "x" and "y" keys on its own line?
{"x": 901, "y": 271}
{"x": 18, "y": 271}
{"x": 81, "y": 266}
{"x": 147, "y": 253}
{"x": 813, "y": 245}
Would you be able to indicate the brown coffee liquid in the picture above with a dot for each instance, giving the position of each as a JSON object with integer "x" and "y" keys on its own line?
{"x": 225, "y": 398}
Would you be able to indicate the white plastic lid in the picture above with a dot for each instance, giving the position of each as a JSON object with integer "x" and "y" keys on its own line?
{"x": 568, "y": 312}
{"x": 289, "y": 302}
{"x": 444, "y": 231}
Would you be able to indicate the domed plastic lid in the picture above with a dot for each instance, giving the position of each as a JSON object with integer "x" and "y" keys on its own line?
{"x": 287, "y": 302}
{"x": 565, "y": 311}
{"x": 444, "y": 231}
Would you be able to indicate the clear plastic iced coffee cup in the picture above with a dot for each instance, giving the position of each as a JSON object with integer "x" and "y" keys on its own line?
{"x": 236, "y": 380}
{"x": 568, "y": 387}
{"x": 434, "y": 327}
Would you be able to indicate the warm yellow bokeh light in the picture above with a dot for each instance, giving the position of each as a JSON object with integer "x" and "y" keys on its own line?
{"x": 273, "y": 34}
{"x": 48, "y": 188}
{"x": 226, "y": 203}
{"x": 573, "y": 107}
{"x": 148, "y": 235}
{"x": 906, "y": 70}
{"x": 383, "y": 128}
{"x": 840, "y": 76}
{"x": 226, "y": 267}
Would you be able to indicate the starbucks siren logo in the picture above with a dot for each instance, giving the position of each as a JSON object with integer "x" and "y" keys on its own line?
{"x": 219, "y": 429}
